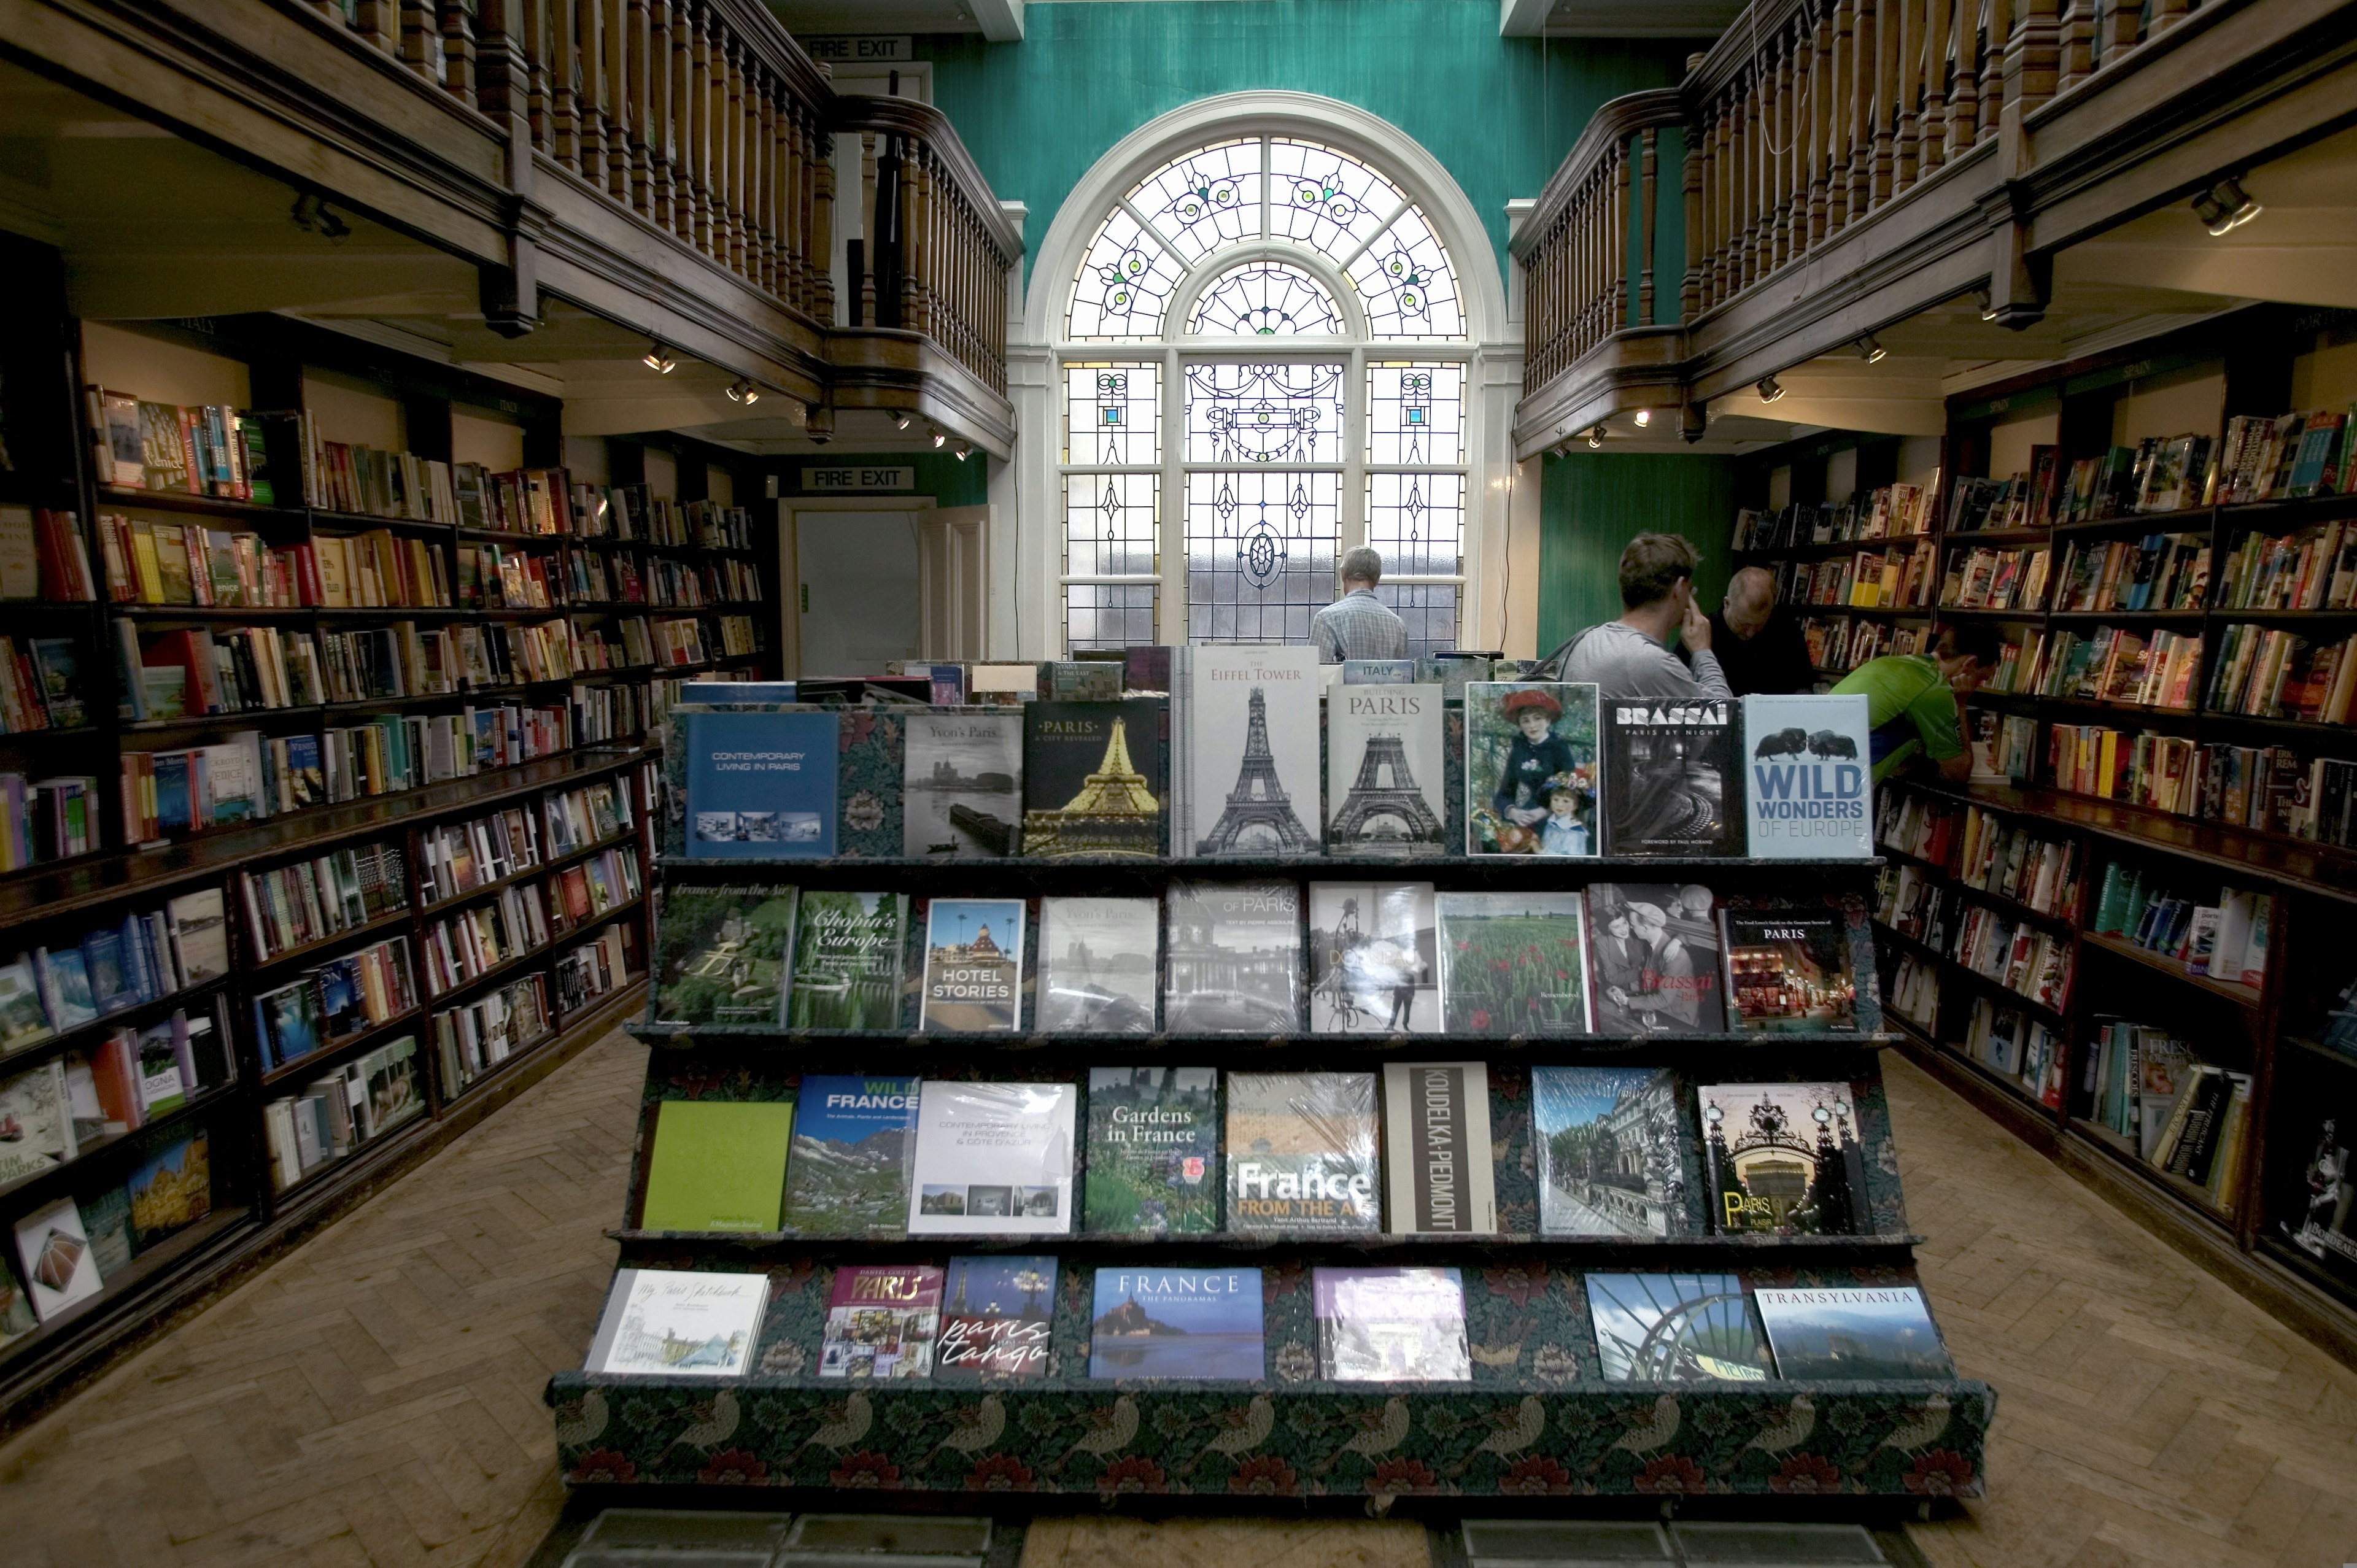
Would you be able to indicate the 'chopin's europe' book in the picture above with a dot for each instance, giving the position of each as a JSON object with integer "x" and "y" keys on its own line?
{"x": 1097, "y": 970}
{"x": 1672, "y": 786}
{"x": 1436, "y": 1149}
{"x": 974, "y": 965}
{"x": 1809, "y": 788}
{"x": 848, "y": 1171}
{"x": 760, "y": 785}
{"x": 997, "y": 1312}
{"x": 1152, "y": 1153}
{"x": 993, "y": 1159}
{"x": 880, "y": 1322}
{"x": 1177, "y": 1324}
{"x": 1231, "y": 961}
{"x": 1512, "y": 963}
{"x": 1092, "y": 777}
{"x": 1301, "y": 1153}
{"x": 1783, "y": 1159}
{"x": 848, "y": 952}
{"x": 722, "y": 953}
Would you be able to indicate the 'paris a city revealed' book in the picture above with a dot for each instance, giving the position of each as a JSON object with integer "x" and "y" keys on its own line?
{"x": 1512, "y": 963}
{"x": 1436, "y": 1149}
{"x": 974, "y": 965}
{"x": 1654, "y": 959}
{"x": 1092, "y": 777}
{"x": 1177, "y": 1324}
{"x": 1097, "y": 974}
{"x": 1153, "y": 1152}
{"x": 963, "y": 784}
{"x": 1532, "y": 776}
{"x": 1809, "y": 790}
{"x": 1852, "y": 1334}
{"x": 717, "y": 1165}
{"x": 1373, "y": 968}
{"x": 1612, "y": 1162}
{"x": 993, "y": 1159}
{"x": 760, "y": 785}
{"x": 673, "y": 1323}
{"x": 1301, "y": 1153}
{"x": 995, "y": 1316}
{"x": 1391, "y": 1326}
{"x": 1247, "y": 750}
{"x": 172, "y": 1187}
{"x": 1783, "y": 1158}
{"x": 848, "y": 1173}
{"x": 880, "y": 1322}
{"x": 847, "y": 949}
{"x": 723, "y": 953}
{"x": 1673, "y": 786}
{"x": 1231, "y": 961}
{"x": 1385, "y": 795}
{"x": 1675, "y": 1329}
{"x": 1787, "y": 968}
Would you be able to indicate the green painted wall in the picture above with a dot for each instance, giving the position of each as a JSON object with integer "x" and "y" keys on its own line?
{"x": 1498, "y": 114}
{"x": 939, "y": 475}
{"x": 1592, "y": 504}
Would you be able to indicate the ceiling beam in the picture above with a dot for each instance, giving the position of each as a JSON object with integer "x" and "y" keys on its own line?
{"x": 1001, "y": 20}
{"x": 1522, "y": 18}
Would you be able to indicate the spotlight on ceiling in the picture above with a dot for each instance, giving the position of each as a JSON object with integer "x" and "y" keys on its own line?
{"x": 1870, "y": 349}
{"x": 1644, "y": 418}
{"x": 744, "y": 392}
{"x": 900, "y": 420}
{"x": 1985, "y": 304}
{"x": 940, "y": 439}
{"x": 1596, "y": 437}
{"x": 2225, "y": 206}
{"x": 1769, "y": 389}
{"x": 963, "y": 451}
{"x": 658, "y": 359}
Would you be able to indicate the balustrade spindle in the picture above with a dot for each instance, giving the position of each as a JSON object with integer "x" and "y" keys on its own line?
{"x": 1935, "y": 86}
{"x": 1905, "y": 87}
{"x": 1822, "y": 92}
{"x": 1992, "y": 71}
{"x": 1649, "y": 185}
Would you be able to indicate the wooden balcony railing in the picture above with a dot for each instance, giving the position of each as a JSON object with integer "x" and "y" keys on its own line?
{"x": 1576, "y": 251}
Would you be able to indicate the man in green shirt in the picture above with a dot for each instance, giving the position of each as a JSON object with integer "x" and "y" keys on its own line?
{"x": 1912, "y": 700}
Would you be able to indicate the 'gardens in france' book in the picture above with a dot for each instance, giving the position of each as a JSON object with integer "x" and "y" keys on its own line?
{"x": 1153, "y": 1150}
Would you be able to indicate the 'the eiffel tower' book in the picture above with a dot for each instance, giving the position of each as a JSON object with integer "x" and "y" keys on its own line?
{"x": 1247, "y": 750}
{"x": 1383, "y": 761}
{"x": 1092, "y": 777}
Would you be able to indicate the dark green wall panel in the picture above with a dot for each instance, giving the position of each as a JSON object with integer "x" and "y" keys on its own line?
{"x": 1592, "y": 504}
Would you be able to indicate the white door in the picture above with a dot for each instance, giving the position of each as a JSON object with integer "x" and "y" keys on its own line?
{"x": 857, "y": 592}
{"x": 952, "y": 582}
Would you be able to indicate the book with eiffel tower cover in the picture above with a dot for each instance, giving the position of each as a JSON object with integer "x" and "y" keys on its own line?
{"x": 1383, "y": 765}
{"x": 1247, "y": 750}
{"x": 1092, "y": 777}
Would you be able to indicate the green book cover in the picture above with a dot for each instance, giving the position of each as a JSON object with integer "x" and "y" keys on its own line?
{"x": 847, "y": 962}
{"x": 1153, "y": 1149}
{"x": 723, "y": 952}
{"x": 717, "y": 1165}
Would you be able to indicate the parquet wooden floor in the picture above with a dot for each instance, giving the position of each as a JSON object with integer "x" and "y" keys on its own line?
{"x": 374, "y": 1396}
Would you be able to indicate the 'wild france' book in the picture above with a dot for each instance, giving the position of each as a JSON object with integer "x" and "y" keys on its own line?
{"x": 1810, "y": 794}
{"x": 760, "y": 785}
{"x": 1301, "y": 1153}
{"x": 848, "y": 1171}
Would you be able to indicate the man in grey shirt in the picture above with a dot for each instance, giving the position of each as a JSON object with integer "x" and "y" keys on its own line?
{"x": 1359, "y": 625}
{"x": 1630, "y": 657}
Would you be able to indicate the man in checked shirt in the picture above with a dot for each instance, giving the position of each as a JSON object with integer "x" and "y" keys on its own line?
{"x": 1359, "y": 625}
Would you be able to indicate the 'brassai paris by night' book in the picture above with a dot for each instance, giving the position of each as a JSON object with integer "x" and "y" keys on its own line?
{"x": 1674, "y": 787}
{"x": 1092, "y": 777}
{"x": 1301, "y": 1153}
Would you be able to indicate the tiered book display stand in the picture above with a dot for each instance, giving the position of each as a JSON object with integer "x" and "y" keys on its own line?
{"x": 1537, "y": 1419}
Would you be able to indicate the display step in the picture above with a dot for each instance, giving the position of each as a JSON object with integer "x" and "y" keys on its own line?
{"x": 1096, "y": 1047}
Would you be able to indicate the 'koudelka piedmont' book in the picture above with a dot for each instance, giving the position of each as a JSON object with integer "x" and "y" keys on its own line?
{"x": 848, "y": 1171}
{"x": 1247, "y": 750}
{"x": 1232, "y": 963}
{"x": 1784, "y": 1159}
{"x": 1097, "y": 972}
{"x": 1788, "y": 969}
{"x": 1531, "y": 767}
{"x": 996, "y": 1314}
{"x": 993, "y": 1159}
{"x": 1852, "y": 1334}
{"x": 760, "y": 785}
{"x": 1672, "y": 786}
{"x": 1301, "y": 1153}
{"x": 1384, "y": 791}
{"x": 1654, "y": 959}
{"x": 672, "y": 1322}
{"x": 848, "y": 960}
{"x": 1512, "y": 963}
{"x": 722, "y": 955}
{"x": 1092, "y": 777}
{"x": 1177, "y": 1324}
{"x": 1611, "y": 1160}
{"x": 974, "y": 965}
{"x": 880, "y": 1322}
{"x": 1808, "y": 767}
{"x": 1391, "y": 1326}
{"x": 1153, "y": 1150}
{"x": 1436, "y": 1149}
{"x": 963, "y": 786}
{"x": 1372, "y": 961}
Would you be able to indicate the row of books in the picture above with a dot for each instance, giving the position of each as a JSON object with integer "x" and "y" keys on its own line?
{"x": 339, "y": 1113}
{"x": 495, "y": 576}
{"x": 1839, "y": 643}
{"x": 1895, "y": 578}
{"x": 67, "y": 1251}
{"x": 477, "y": 1035}
{"x": 2115, "y": 664}
{"x": 1985, "y": 579}
{"x": 333, "y": 1002}
{"x": 43, "y": 820}
{"x": 585, "y": 814}
{"x": 526, "y": 917}
{"x": 991, "y": 1319}
{"x": 1622, "y": 959}
{"x": 150, "y": 562}
{"x": 42, "y": 556}
{"x": 2303, "y": 452}
{"x": 293, "y": 906}
{"x": 2225, "y": 940}
{"x": 2176, "y": 1112}
{"x": 40, "y": 685}
{"x": 209, "y": 449}
{"x": 1890, "y": 512}
{"x": 2308, "y": 569}
{"x": 2018, "y": 1048}
{"x": 2157, "y": 572}
{"x": 2270, "y": 673}
{"x": 142, "y": 958}
{"x": 1914, "y": 992}
{"x": 2023, "y": 958}
{"x": 462, "y": 856}
{"x": 600, "y": 967}
{"x": 619, "y": 711}
{"x": 2010, "y": 859}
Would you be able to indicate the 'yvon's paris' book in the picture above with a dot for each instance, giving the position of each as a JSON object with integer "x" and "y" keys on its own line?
{"x": 995, "y": 1316}
{"x": 847, "y": 1173}
{"x": 1436, "y": 1149}
{"x": 1673, "y": 785}
{"x": 1531, "y": 767}
{"x": 674, "y": 1323}
{"x": 1809, "y": 792}
{"x": 1301, "y": 1153}
{"x": 1097, "y": 972}
{"x": 1154, "y": 1141}
{"x": 1372, "y": 967}
{"x": 963, "y": 784}
{"x": 993, "y": 1159}
{"x": 1174, "y": 1324}
{"x": 1232, "y": 960}
{"x": 760, "y": 785}
{"x": 880, "y": 1322}
{"x": 1247, "y": 750}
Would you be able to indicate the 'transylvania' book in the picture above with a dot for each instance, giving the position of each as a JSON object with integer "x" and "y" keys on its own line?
{"x": 1673, "y": 786}
{"x": 722, "y": 952}
{"x": 1783, "y": 1158}
{"x": 880, "y": 1322}
{"x": 846, "y": 973}
{"x": 1372, "y": 961}
{"x": 1231, "y": 961}
{"x": 847, "y": 1173}
{"x": 1675, "y": 1329}
{"x": 974, "y": 965}
{"x": 993, "y": 1159}
{"x": 1654, "y": 959}
{"x": 1809, "y": 790}
{"x": 1153, "y": 1153}
{"x": 1611, "y": 1152}
{"x": 676, "y": 1323}
{"x": 1531, "y": 767}
{"x": 1436, "y": 1149}
{"x": 1092, "y": 777}
{"x": 1512, "y": 963}
{"x": 1391, "y": 1326}
{"x": 1384, "y": 791}
{"x": 1852, "y": 1334}
{"x": 1177, "y": 1324}
{"x": 997, "y": 1312}
{"x": 760, "y": 785}
{"x": 1301, "y": 1153}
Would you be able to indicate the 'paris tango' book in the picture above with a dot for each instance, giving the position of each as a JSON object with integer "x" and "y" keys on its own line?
{"x": 995, "y": 1316}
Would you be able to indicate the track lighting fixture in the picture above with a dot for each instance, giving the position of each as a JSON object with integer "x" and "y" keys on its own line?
{"x": 900, "y": 420}
{"x": 744, "y": 392}
{"x": 1644, "y": 418}
{"x": 941, "y": 439}
{"x": 1871, "y": 350}
{"x": 963, "y": 451}
{"x": 1987, "y": 304}
{"x": 1769, "y": 389}
{"x": 1595, "y": 438}
{"x": 658, "y": 359}
{"x": 1560, "y": 449}
{"x": 2225, "y": 205}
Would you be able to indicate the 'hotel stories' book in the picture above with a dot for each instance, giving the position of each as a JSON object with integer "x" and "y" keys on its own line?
{"x": 1177, "y": 1324}
{"x": 1386, "y": 792}
{"x": 1852, "y": 1334}
{"x": 1092, "y": 777}
{"x": 997, "y": 1312}
{"x": 1301, "y": 1153}
{"x": 1436, "y": 1149}
{"x": 848, "y": 1171}
{"x": 1154, "y": 1143}
{"x": 847, "y": 953}
{"x": 963, "y": 785}
{"x": 974, "y": 965}
{"x": 722, "y": 954}
{"x": 678, "y": 1322}
{"x": 1097, "y": 969}
{"x": 1674, "y": 786}
{"x": 993, "y": 1159}
{"x": 760, "y": 785}
{"x": 1810, "y": 789}
{"x": 1232, "y": 959}
{"x": 1391, "y": 1326}
{"x": 880, "y": 1322}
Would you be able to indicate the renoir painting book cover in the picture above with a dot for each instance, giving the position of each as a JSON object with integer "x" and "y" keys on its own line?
{"x": 1611, "y": 1151}
{"x": 1232, "y": 959}
{"x": 974, "y": 965}
{"x": 760, "y": 785}
{"x": 963, "y": 784}
{"x": 1512, "y": 963}
{"x": 1168, "y": 1324}
{"x": 1247, "y": 750}
{"x": 1654, "y": 959}
{"x": 1301, "y": 1153}
{"x": 847, "y": 1171}
{"x": 993, "y": 1159}
{"x": 1097, "y": 970}
{"x": 1673, "y": 784}
{"x": 1384, "y": 772}
{"x": 1436, "y": 1149}
{"x": 880, "y": 1322}
{"x": 1154, "y": 1145}
{"x": 1808, "y": 771}
{"x": 1783, "y": 1159}
{"x": 1675, "y": 1329}
{"x": 1788, "y": 969}
{"x": 1092, "y": 777}
{"x": 1531, "y": 767}
{"x": 723, "y": 954}
{"x": 1391, "y": 1326}
{"x": 677, "y": 1323}
{"x": 1372, "y": 967}
{"x": 996, "y": 1314}
{"x": 848, "y": 952}
{"x": 1852, "y": 1334}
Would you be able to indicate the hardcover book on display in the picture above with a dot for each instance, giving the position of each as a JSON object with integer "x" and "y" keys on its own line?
{"x": 673, "y": 1323}
{"x": 39, "y": 1119}
{"x": 171, "y": 1188}
{"x": 1852, "y": 1334}
{"x": 1097, "y": 970}
{"x": 974, "y": 965}
{"x": 1673, "y": 784}
{"x": 1247, "y": 750}
{"x": 847, "y": 1173}
{"x": 1783, "y": 1159}
{"x": 23, "y": 1022}
{"x": 1391, "y": 1326}
{"x": 17, "y": 1316}
{"x": 1610, "y": 1151}
{"x": 1231, "y": 958}
{"x": 1512, "y": 963}
{"x": 717, "y": 1165}
{"x": 880, "y": 1322}
{"x": 760, "y": 785}
{"x": 200, "y": 936}
{"x": 1532, "y": 779}
{"x": 1092, "y": 777}
{"x": 1385, "y": 771}
{"x": 1654, "y": 959}
{"x": 997, "y": 1312}
{"x": 847, "y": 953}
{"x": 1809, "y": 789}
{"x": 963, "y": 785}
{"x": 722, "y": 955}
{"x": 1171, "y": 1324}
{"x": 1675, "y": 1329}
{"x": 993, "y": 1159}
{"x": 1372, "y": 966}
{"x": 1301, "y": 1153}
{"x": 1153, "y": 1152}
{"x": 1788, "y": 969}
{"x": 54, "y": 1249}
{"x": 1436, "y": 1149}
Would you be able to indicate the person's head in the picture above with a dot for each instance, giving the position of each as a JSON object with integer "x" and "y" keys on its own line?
{"x": 1533, "y": 713}
{"x": 1361, "y": 568}
{"x": 1966, "y": 654}
{"x": 1563, "y": 800}
{"x": 1618, "y": 924}
{"x": 1751, "y": 597}
{"x": 1650, "y": 923}
{"x": 1654, "y": 567}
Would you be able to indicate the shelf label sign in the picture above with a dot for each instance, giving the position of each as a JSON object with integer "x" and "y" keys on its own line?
{"x": 816, "y": 478}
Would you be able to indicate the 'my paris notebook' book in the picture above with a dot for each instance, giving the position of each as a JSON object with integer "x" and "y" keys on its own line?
{"x": 672, "y": 1322}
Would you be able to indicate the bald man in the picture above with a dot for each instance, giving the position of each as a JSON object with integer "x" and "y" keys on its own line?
{"x": 1758, "y": 641}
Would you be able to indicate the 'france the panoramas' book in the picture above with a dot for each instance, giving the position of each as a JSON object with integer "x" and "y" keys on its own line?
{"x": 760, "y": 785}
{"x": 1675, "y": 1329}
{"x": 1532, "y": 779}
{"x": 880, "y": 1322}
{"x": 1232, "y": 961}
{"x": 676, "y": 1323}
{"x": 1385, "y": 794}
{"x": 1373, "y": 968}
{"x": 1097, "y": 970}
{"x": 974, "y": 965}
{"x": 1852, "y": 1334}
{"x": 1391, "y": 1326}
{"x": 993, "y": 1159}
{"x": 963, "y": 784}
{"x": 1512, "y": 963}
{"x": 1301, "y": 1153}
{"x": 1674, "y": 786}
{"x": 1436, "y": 1149}
{"x": 1611, "y": 1152}
{"x": 722, "y": 953}
{"x": 1809, "y": 788}
{"x": 1153, "y": 1153}
{"x": 1247, "y": 750}
{"x": 1654, "y": 959}
{"x": 847, "y": 951}
{"x": 996, "y": 1313}
{"x": 1177, "y": 1324}
{"x": 1783, "y": 1158}
{"x": 847, "y": 1173}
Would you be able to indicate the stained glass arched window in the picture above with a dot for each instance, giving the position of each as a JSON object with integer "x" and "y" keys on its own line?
{"x": 1265, "y": 299}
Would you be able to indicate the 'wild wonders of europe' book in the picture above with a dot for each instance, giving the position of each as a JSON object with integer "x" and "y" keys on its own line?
{"x": 760, "y": 785}
{"x": 1809, "y": 790}
{"x": 1153, "y": 1150}
{"x": 848, "y": 1171}
{"x": 1177, "y": 1324}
